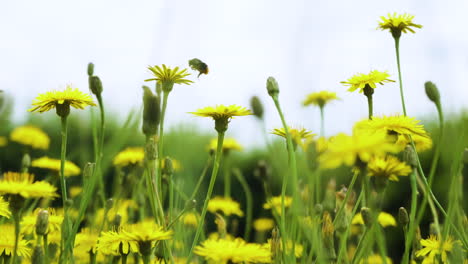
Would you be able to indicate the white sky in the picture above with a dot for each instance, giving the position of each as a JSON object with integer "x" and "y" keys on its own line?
{"x": 306, "y": 45}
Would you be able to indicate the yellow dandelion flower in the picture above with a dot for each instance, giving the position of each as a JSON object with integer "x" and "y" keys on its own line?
{"x": 397, "y": 23}
{"x": 375, "y": 259}
{"x": 190, "y": 219}
{"x": 54, "y": 164}
{"x": 222, "y": 112}
{"x": 145, "y": 231}
{"x": 3, "y": 141}
{"x": 131, "y": 156}
{"x": 75, "y": 191}
{"x": 121, "y": 207}
{"x": 432, "y": 247}
{"x": 361, "y": 80}
{"x": 402, "y": 125}
{"x": 275, "y": 203}
{"x": 344, "y": 149}
{"x": 226, "y": 205}
{"x": 7, "y": 242}
{"x": 263, "y": 224}
{"x": 115, "y": 243}
{"x": 30, "y": 136}
{"x": 228, "y": 145}
{"x": 28, "y": 223}
{"x": 320, "y": 99}
{"x": 164, "y": 74}
{"x": 4, "y": 205}
{"x": 384, "y": 219}
{"x": 235, "y": 251}
{"x": 388, "y": 167}
{"x": 298, "y": 135}
{"x": 86, "y": 241}
{"x": 298, "y": 248}
{"x": 23, "y": 184}
{"x": 66, "y": 98}
{"x": 422, "y": 143}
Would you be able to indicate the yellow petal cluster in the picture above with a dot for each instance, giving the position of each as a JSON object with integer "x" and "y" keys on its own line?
{"x": 384, "y": 219}
{"x": 275, "y": 203}
{"x": 298, "y": 135}
{"x": 54, "y": 164}
{"x": 28, "y": 223}
{"x": 69, "y": 96}
{"x": 389, "y": 167}
{"x": 398, "y": 23}
{"x": 7, "y": 242}
{"x": 4, "y": 208}
{"x": 220, "y": 112}
{"x": 320, "y": 98}
{"x": 130, "y": 156}
{"x": 167, "y": 74}
{"x": 235, "y": 251}
{"x": 263, "y": 224}
{"x": 228, "y": 144}
{"x": 30, "y": 136}
{"x": 225, "y": 205}
{"x": 23, "y": 184}
{"x": 432, "y": 248}
{"x": 360, "y": 80}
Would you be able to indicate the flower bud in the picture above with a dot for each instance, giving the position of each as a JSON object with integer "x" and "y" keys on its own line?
{"x": 257, "y": 107}
{"x": 168, "y": 168}
{"x": 432, "y": 92}
{"x": 410, "y": 156}
{"x": 38, "y": 255}
{"x": 151, "y": 112}
{"x": 366, "y": 216}
{"x": 95, "y": 85}
{"x": 90, "y": 69}
{"x": 63, "y": 110}
{"x": 272, "y": 87}
{"x": 42, "y": 223}
{"x": 26, "y": 162}
{"x": 151, "y": 152}
{"x": 403, "y": 218}
{"x": 88, "y": 170}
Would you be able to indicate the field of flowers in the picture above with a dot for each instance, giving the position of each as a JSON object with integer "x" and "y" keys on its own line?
{"x": 78, "y": 186}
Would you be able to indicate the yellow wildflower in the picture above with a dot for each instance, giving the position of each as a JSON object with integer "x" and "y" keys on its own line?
{"x": 384, "y": 219}
{"x": 133, "y": 156}
{"x": 226, "y": 205}
{"x": 7, "y": 242}
{"x": 4, "y": 205}
{"x": 320, "y": 99}
{"x": 398, "y": 23}
{"x": 145, "y": 234}
{"x": 115, "y": 243}
{"x": 432, "y": 247}
{"x": 86, "y": 241}
{"x": 228, "y": 145}
{"x": 263, "y": 224}
{"x": 402, "y": 125}
{"x": 388, "y": 167}
{"x": 190, "y": 219}
{"x": 361, "y": 80}
{"x": 75, "y": 191}
{"x": 54, "y": 164}
{"x": 422, "y": 143}
{"x": 166, "y": 74}
{"x": 28, "y": 223}
{"x": 222, "y": 112}
{"x": 344, "y": 149}
{"x": 275, "y": 202}
{"x": 298, "y": 135}
{"x": 235, "y": 251}
{"x": 30, "y": 136}
{"x": 57, "y": 99}
{"x": 23, "y": 184}
{"x": 121, "y": 207}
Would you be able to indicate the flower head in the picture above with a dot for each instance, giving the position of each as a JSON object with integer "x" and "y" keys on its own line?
{"x": 388, "y": 167}
{"x": 320, "y": 98}
{"x": 263, "y": 224}
{"x": 190, "y": 219}
{"x": 222, "y": 114}
{"x": 62, "y": 100}
{"x": 23, "y": 184}
{"x": 361, "y": 80}
{"x": 228, "y": 145}
{"x": 7, "y": 242}
{"x": 432, "y": 247}
{"x": 55, "y": 220}
{"x": 298, "y": 135}
{"x": 226, "y": 205}
{"x": 145, "y": 231}
{"x": 54, "y": 164}
{"x": 86, "y": 241}
{"x": 121, "y": 207}
{"x": 422, "y": 143}
{"x": 397, "y": 23}
{"x": 235, "y": 251}
{"x": 384, "y": 219}
{"x": 360, "y": 147}
{"x": 168, "y": 76}
{"x": 4, "y": 205}
{"x": 115, "y": 243}
{"x": 274, "y": 203}
{"x": 30, "y": 136}
{"x": 397, "y": 124}
{"x": 131, "y": 156}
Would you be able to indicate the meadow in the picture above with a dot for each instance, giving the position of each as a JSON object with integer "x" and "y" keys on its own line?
{"x": 80, "y": 186}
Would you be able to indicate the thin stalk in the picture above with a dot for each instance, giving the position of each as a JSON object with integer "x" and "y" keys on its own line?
{"x": 249, "y": 198}
{"x": 348, "y": 228}
{"x": 161, "y": 144}
{"x": 370, "y": 106}
{"x": 17, "y": 220}
{"x": 214, "y": 173}
{"x": 322, "y": 121}
{"x": 348, "y": 192}
{"x": 293, "y": 169}
{"x": 397, "y": 50}
{"x": 431, "y": 205}
{"x": 124, "y": 258}
{"x": 63, "y": 186}
{"x": 412, "y": 224}
{"x": 202, "y": 177}
{"x": 100, "y": 151}
{"x": 227, "y": 176}
{"x": 171, "y": 197}
{"x": 46, "y": 248}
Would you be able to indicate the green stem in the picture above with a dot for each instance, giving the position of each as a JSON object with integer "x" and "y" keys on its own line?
{"x": 293, "y": 171}
{"x": 370, "y": 106}
{"x": 348, "y": 192}
{"x": 100, "y": 151}
{"x": 202, "y": 177}
{"x": 161, "y": 144}
{"x": 348, "y": 228}
{"x": 431, "y": 205}
{"x": 227, "y": 176}
{"x": 171, "y": 197}
{"x": 214, "y": 173}
{"x": 46, "y": 248}
{"x": 63, "y": 186}
{"x": 124, "y": 259}
{"x": 412, "y": 224}
{"x": 434, "y": 163}
{"x": 397, "y": 50}
{"x": 249, "y": 198}
{"x": 322, "y": 121}
{"x": 17, "y": 220}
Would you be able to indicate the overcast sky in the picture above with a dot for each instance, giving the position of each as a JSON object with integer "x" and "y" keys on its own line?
{"x": 306, "y": 45}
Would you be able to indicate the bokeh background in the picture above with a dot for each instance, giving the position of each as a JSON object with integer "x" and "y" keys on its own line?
{"x": 306, "y": 45}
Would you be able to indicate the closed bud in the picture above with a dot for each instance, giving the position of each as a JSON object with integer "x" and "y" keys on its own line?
{"x": 90, "y": 69}
{"x": 151, "y": 152}
{"x": 95, "y": 85}
{"x": 38, "y": 255}
{"x": 410, "y": 156}
{"x": 432, "y": 92}
{"x": 151, "y": 112}
{"x": 403, "y": 218}
{"x": 272, "y": 87}
{"x": 168, "y": 168}
{"x": 88, "y": 170}
{"x": 26, "y": 162}
{"x": 42, "y": 223}
{"x": 257, "y": 107}
{"x": 63, "y": 110}
{"x": 366, "y": 216}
